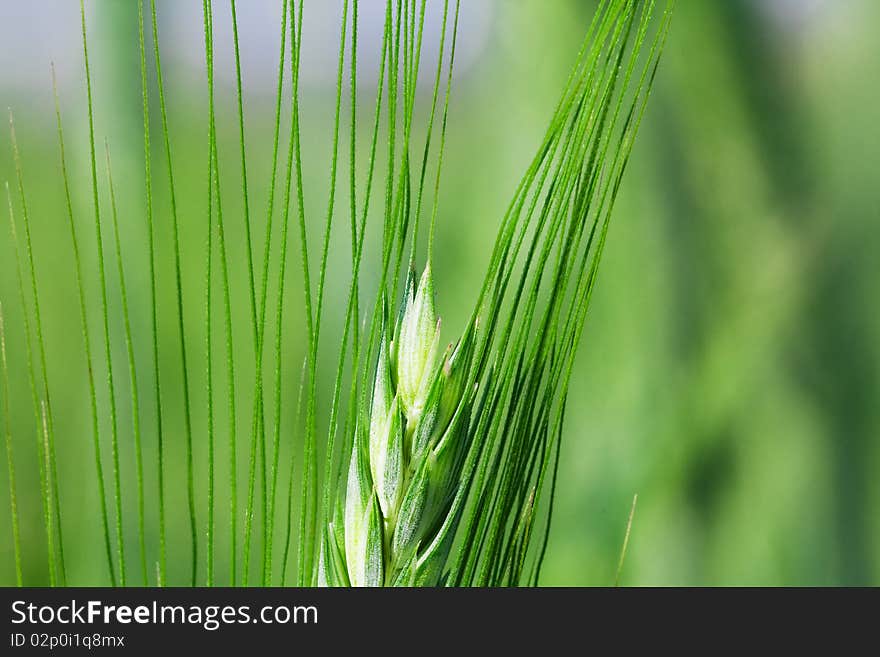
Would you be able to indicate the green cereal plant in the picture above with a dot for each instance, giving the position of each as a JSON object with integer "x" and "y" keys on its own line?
{"x": 409, "y": 463}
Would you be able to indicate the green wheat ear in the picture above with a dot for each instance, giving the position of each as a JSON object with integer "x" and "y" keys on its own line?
{"x": 439, "y": 465}
{"x": 401, "y": 485}
{"x": 457, "y": 452}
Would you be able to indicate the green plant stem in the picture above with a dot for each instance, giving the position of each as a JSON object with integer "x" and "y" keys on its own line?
{"x": 258, "y": 423}
{"x": 311, "y": 456}
{"x": 244, "y": 176}
{"x": 233, "y": 477}
{"x": 290, "y": 486}
{"x": 190, "y": 486}
{"x": 33, "y": 386}
{"x": 629, "y": 523}
{"x": 114, "y": 421}
{"x": 135, "y": 399}
{"x": 209, "y": 379}
{"x": 304, "y": 547}
{"x": 230, "y": 361}
{"x": 227, "y": 304}
{"x": 294, "y": 160}
{"x": 351, "y": 312}
{"x": 10, "y": 460}
{"x": 47, "y": 465}
{"x": 442, "y": 148}
{"x": 56, "y": 554}
{"x": 87, "y": 342}
{"x": 351, "y": 320}
{"x": 154, "y": 320}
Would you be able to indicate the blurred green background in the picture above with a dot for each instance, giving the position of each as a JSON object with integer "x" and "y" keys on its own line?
{"x": 729, "y": 371}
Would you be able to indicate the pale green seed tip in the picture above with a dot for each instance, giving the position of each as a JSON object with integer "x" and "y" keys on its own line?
{"x": 417, "y": 343}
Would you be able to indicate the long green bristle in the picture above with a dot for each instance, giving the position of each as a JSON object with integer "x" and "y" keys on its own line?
{"x": 162, "y": 575}
{"x": 190, "y": 485}
{"x": 10, "y": 459}
{"x": 132, "y": 369}
{"x": 99, "y": 241}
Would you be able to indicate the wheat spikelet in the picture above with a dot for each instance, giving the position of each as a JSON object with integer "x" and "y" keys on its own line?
{"x": 406, "y": 457}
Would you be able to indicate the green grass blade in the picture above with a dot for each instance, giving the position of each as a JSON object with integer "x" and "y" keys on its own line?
{"x": 29, "y": 349}
{"x": 47, "y": 466}
{"x": 352, "y": 192}
{"x": 227, "y": 304}
{"x": 233, "y": 479}
{"x": 209, "y": 393}
{"x": 305, "y": 545}
{"x": 430, "y": 132}
{"x": 154, "y": 320}
{"x": 114, "y": 435}
{"x": 56, "y": 552}
{"x": 443, "y": 125}
{"x": 258, "y": 420}
{"x": 332, "y": 483}
{"x": 290, "y": 487}
{"x": 563, "y": 201}
{"x": 542, "y": 551}
{"x": 190, "y": 486}
{"x": 10, "y": 460}
{"x": 230, "y": 361}
{"x": 87, "y": 342}
{"x": 311, "y": 473}
{"x": 213, "y": 174}
{"x": 629, "y": 523}
{"x": 244, "y": 176}
{"x": 230, "y": 369}
{"x": 132, "y": 369}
